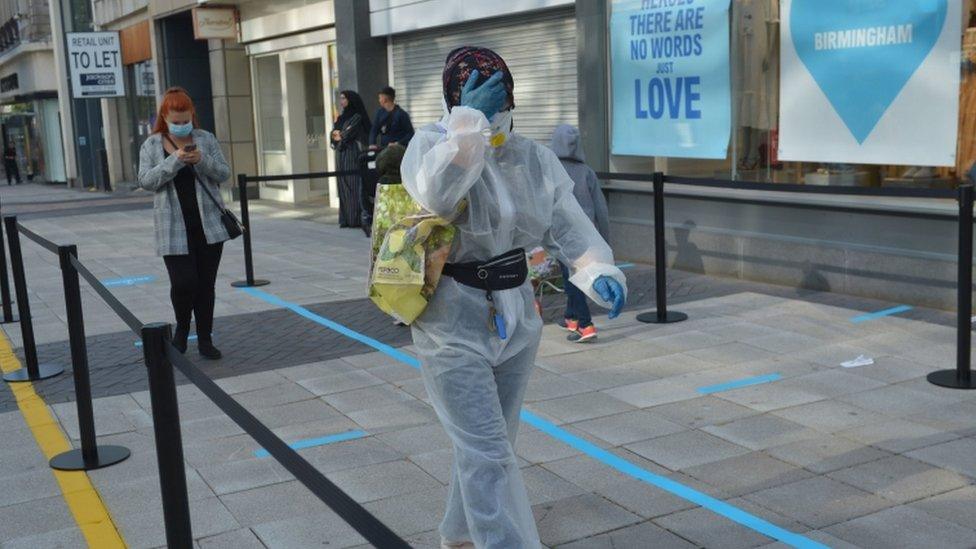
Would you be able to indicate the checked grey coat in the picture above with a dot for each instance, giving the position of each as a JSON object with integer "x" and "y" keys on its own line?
{"x": 156, "y": 173}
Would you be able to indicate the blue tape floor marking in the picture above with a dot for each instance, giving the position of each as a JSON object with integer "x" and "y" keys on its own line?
{"x": 880, "y": 314}
{"x": 191, "y": 338}
{"x": 708, "y": 502}
{"x": 129, "y": 281}
{"x": 365, "y": 340}
{"x": 739, "y": 383}
{"x": 320, "y": 441}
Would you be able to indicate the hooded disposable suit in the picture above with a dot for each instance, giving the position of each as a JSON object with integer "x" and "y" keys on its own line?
{"x": 566, "y": 144}
{"x": 518, "y": 195}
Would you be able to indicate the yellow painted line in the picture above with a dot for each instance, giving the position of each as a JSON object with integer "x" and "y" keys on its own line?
{"x": 83, "y": 501}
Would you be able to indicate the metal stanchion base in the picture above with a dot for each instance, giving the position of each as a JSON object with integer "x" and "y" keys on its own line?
{"x": 670, "y": 318}
{"x": 44, "y": 370}
{"x": 72, "y": 460}
{"x": 948, "y": 378}
{"x": 244, "y": 284}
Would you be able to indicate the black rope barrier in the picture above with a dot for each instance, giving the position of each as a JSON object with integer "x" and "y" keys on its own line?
{"x": 38, "y": 239}
{"x": 896, "y": 192}
{"x": 347, "y": 508}
{"x": 291, "y": 176}
{"x": 113, "y": 302}
{"x": 159, "y": 356}
{"x": 242, "y": 184}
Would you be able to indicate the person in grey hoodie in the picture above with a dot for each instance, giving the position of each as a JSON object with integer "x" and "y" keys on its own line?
{"x": 566, "y": 145}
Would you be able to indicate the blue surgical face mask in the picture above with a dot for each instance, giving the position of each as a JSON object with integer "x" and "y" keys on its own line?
{"x": 180, "y": 130}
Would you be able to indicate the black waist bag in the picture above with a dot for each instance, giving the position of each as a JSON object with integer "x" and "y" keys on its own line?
{"x": 503, "y": 272}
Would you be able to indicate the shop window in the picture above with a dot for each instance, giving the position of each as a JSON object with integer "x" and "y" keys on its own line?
{"x": 752, "y": 156}
{"x": 137, "y": 114}
{"x": 270, "y": 115}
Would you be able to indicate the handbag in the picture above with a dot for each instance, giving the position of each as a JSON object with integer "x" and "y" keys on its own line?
{"x": 227, "y": 218}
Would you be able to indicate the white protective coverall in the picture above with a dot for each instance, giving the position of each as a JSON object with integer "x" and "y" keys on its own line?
{"x": 518, "y": 196}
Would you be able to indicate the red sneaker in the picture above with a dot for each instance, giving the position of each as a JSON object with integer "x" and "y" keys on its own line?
{"x": 569, "y": 324}
{"x": 584, "y": 335}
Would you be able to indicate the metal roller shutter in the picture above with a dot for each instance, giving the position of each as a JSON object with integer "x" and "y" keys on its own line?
{"x": 540, "y": 51}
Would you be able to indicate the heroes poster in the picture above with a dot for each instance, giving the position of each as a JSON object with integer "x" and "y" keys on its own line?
{"x": 670, "y": 78}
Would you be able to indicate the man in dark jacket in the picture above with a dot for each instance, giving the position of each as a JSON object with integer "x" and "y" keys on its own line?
{"x": 391, "y": 123}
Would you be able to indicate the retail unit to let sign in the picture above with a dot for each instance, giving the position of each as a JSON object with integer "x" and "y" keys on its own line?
{"x": 870, "y": 82}
{"x": 95, "y": 64}
{"x": 670, "y": 69}
{"x": 214, "y": 23}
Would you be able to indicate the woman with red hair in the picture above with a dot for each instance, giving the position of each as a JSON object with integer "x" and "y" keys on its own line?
{"x": 184, "y": 166}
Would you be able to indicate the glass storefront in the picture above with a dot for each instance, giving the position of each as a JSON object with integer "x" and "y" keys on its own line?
{"x": 136, "y": 114}
{"x": 294, "y": 103}
{"x": 270, "y": 116}
{"x": 755, "y": 55}
{"x": 316, "y": 137}
{"x": 20, "y": 131}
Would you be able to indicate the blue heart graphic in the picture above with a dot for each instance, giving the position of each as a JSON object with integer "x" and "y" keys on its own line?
{"x": 862, "y": 81}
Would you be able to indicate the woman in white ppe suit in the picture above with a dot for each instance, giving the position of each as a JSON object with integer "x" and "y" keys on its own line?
{"x": 477, "y": 354}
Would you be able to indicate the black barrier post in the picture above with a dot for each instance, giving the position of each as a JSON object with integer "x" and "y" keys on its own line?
{"x": 367, "y": 192}
{"x": 169, "y": 442}
{"x": 33, "y": 370}
{"x": 8, "y": 314}
{"x": 90, "y": 456}
{"x": 662, "y": 315}
{"x": 961, "y": 377}
{"x": 246, "y": 222}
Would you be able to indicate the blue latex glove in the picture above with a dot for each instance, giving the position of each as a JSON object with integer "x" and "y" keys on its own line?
{"x": 488, "y": 98}
{"x": 610, "y": 290}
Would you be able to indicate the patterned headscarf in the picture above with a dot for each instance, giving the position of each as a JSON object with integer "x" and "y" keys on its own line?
{"x": 462, "y": 61}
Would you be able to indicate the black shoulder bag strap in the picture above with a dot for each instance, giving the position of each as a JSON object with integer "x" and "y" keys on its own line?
{"x": 227, "y": 217}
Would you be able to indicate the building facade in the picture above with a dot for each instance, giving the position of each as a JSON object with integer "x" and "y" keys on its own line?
{"x": 29, "y": 113}
{"x": 160, "y": 49}
{"x": 267, "y": 92}
{"x": 270, "y": 94}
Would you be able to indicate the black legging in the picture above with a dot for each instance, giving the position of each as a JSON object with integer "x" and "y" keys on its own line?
{"x": 13, "y": 171}
{"x": 192, "y": 279}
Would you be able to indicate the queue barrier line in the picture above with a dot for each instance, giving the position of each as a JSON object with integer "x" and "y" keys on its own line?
{"x": 959, "y": 377}
{"x": 881, "y": 314}
{"x": 893, "y": 192}
{"x": 351, "y": 512}
{"x": 243, "y": 180}
{"x": 292, "y": 176}
{"x": 739, "y": 384}
{"x": 317, "y": 441}
{"x": 129, "y": 281}
{"x": 38, "y": 239}
{"x": 84, "y": 502}
{"x": 108, "y": 297}
{"x": 161, "y": 358}
{"x": 708, "y": 502}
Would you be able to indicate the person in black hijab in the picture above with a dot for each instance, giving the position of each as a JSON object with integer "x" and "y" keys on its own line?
{"x": 349, "y": 138}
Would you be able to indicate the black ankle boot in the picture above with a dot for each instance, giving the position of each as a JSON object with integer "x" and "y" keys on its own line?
{"x": 207, "y": 350}
{"x": 179, "y": 339}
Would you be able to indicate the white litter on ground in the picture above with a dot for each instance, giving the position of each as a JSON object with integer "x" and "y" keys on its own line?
{"x": 861, "y": 360}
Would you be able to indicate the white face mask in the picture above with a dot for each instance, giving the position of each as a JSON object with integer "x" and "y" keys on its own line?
{"x": 501, "y": 128}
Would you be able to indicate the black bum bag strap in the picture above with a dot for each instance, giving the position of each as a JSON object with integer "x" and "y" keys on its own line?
{"x": 504, "y": 272}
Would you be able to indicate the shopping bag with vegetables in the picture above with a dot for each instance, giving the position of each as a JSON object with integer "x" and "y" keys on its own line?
{"x": 409, "y": 247}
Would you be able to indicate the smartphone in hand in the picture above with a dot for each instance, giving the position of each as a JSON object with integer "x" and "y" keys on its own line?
{"x": 189, "y": 148}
